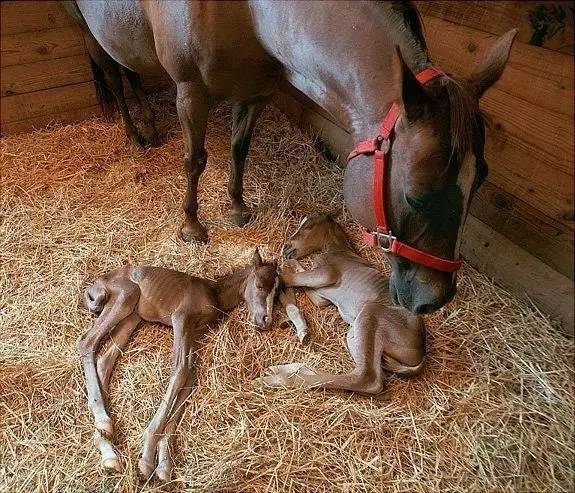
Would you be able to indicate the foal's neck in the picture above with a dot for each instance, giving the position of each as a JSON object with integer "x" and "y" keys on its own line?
{"x": 230, "y": 289}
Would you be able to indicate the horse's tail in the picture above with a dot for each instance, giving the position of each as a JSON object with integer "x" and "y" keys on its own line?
{"x": 103, "y": 94}
{"x": 95, "y": 296}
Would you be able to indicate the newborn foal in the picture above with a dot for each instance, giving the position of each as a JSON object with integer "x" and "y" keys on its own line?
{"x": 130, "y": 294}
{"x": 380, "y": 336}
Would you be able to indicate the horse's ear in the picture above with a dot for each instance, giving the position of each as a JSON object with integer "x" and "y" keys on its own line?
{"x": 491, "y": 67}
{"x": 412, "y": 94}
{"x": 257, "y": 258}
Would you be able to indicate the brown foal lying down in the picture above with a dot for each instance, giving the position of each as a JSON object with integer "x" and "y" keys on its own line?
{"x": 130, "y": 294}
{"x": 381, "y": 336}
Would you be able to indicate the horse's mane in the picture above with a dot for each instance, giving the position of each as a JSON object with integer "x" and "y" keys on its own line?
{"x": 464, "y": 114}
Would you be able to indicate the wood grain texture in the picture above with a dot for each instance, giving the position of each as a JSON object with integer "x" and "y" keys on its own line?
{"x": 39, "y": 122}
{"x": 528, "y": 227}
{"x": 27, "y": 16}
{"x": 522, "y": 273}
{"x": 501, "y": 16}
{"x": 48, "y": 102}
{"x": 30, "y": 77}
{"x": 17, "y": 49}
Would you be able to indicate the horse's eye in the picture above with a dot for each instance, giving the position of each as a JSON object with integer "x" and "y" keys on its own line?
{"x": 418, "y": 203}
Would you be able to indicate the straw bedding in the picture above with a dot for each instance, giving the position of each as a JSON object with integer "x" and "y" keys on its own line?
{"x": 493, "y": 411}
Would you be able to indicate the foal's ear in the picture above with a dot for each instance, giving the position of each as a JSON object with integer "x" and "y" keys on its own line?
{"x": 411, "y": 93}
{"x": 257, "y": 258}
{"x": 491, "y": 67}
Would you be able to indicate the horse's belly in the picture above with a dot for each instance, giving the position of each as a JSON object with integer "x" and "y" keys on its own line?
{"x": 122, "y": 29}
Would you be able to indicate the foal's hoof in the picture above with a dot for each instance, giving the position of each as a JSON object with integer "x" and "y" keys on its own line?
{"x": 105, "y": 427}
{"x": 146, "y": 468}
{"x": 112, "y": 465}
{"x": 241, "y": 217}
{"x": 193, "y": 233}
{"x": 164, "y": 472}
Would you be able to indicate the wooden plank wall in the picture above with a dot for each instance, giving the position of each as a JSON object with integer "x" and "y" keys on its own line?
{"x": 45, "y": 73}
{"x": 521, "y": 232}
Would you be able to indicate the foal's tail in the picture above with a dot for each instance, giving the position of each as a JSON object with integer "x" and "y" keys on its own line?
{"x": 95, "y": 297}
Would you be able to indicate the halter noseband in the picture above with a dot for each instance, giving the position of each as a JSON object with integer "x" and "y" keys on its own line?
{"x": 379, "y": 147}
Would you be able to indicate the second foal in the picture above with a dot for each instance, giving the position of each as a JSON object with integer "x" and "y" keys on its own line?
{"x": 380, "y": 336}
{"x": 126, "y": 296}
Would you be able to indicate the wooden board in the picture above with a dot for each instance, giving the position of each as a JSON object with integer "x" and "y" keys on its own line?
{"x": 522, "y": 273}
{"x": 29, "y": 77}
{"x": 26, "y": 16}
{"x": 548, "y": 240}
{"x": 501, "y": 16}
{"x": 17, "y": 49}
{"x": 47, "y": 102}
{"x": 39, "y": 122}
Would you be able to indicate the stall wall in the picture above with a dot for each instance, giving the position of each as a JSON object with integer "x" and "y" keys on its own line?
{"x": 45, "y": 72}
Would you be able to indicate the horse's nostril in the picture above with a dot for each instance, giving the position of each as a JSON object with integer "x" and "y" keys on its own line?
{"x": 266, "y": 319}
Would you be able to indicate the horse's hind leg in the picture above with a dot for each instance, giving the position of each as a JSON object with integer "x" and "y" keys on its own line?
{"x": 119, "y": 339}
{"x": 193, "y": 104}
{"x": 365, "y": 349}
{"x": 244, "y": 115}
{"x": 120, "y": 305}
{"x": 149, "y": 132}
{"x": 113, "y": 78}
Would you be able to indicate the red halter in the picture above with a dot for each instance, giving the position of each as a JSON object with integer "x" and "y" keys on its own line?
{"x": 379, "y": 147}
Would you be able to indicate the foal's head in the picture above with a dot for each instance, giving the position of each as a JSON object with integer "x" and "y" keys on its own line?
{"x": 315, "y": 233}
{"x": 435, "y": 165}
{"x": 260, "y": 290}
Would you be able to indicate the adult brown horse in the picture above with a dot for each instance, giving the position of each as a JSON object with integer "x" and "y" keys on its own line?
{"x": 343, "y": 56}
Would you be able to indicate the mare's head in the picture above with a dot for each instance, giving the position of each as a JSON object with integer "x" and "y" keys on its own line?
{"x": 435, "y": 165}
{"x": 315, "y": 233}
{"x": 260, "y": 290}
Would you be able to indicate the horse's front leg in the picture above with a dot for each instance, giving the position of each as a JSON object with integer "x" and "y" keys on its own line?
{"x": 193, "y": 104}
{"x": 244, "y": 116}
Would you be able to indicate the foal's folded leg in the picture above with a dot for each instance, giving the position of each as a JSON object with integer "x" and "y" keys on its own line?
{"x": 289, "y": 302}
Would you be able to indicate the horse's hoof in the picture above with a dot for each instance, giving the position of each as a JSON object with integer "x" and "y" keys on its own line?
{"x": 105, "y": 427}
{"x": 137, "y": 140}
{"x": 241, "y": 217}
{"x": 112, "y": 465}
{"x": 197, "y": 234}
{"x": 146, "y": 468}
{"x": 151, "y": 138}
{"x": 164, "y": 473}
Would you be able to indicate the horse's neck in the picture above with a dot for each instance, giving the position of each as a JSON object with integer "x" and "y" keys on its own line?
{"x": 342, "y": 55}
{"x": 230, "y": 289}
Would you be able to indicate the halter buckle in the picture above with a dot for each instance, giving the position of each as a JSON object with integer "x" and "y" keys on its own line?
{"x": 383, "y": 144}
{"x": 386, "y": 236}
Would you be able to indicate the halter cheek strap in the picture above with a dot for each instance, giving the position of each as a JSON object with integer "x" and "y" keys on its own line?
{"x": 380, "y": 147}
